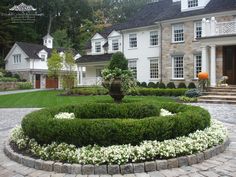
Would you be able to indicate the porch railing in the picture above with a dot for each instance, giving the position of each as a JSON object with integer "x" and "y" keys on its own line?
{"x": 92, "y": 81}
{"x": 223, "y": 28}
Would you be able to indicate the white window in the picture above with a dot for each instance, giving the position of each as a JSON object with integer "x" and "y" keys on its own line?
{"x": 132, "y": 64}
{"x": 154, "y": 70}
{"x": 98, "y": 72}
{"x": 49, "y": 41}
{"x": 98, "y": 47}
{"x": 115, "y": 44}
{"x": 197, "y": 65}
{"x": 178, "y": 33}
{"x": 133, "y": 40}
{"x": 192, "y": 3}
{"x": 197, "y": 29}
{"x": 43, "y": 57}
{"x": 17, "y": 59}
{"x": 178, "y": 67}
{"x": 45, "y": 41}
{"x": 153, "y": 38}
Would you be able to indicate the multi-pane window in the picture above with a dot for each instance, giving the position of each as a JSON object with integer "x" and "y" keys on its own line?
{"x": 198, "y": 65}
{"x": 115, "y": 44}
{"x": 192, "y": 3}
{"x": 154, "y": 38}
{"x": 133, "y": 40}
{"x": 132, "y": 64}
{"x": 98, "y": 72}
{"x": 178, "y": 67}
{"x": 98, "y": 47}
{"x": 154, "y": 68}
{"x": 198, "y": 29}
{"x": 43, "y": 57}
{"x": 178, "y": 33}
{"x": 17, "y": 59}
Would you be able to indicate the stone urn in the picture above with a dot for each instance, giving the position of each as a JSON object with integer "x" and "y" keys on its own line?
{"x": 115, "y": 90}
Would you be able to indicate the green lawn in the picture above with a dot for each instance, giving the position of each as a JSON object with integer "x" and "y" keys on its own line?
{"x": 50, "y": 98}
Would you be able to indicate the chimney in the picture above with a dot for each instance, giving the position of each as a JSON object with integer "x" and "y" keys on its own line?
{"x": 48, "y": 41}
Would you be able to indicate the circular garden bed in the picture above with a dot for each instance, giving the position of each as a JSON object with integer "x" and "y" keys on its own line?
{"x": 105, "y": 134}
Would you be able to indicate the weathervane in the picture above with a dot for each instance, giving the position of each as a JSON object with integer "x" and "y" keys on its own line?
{"x": 23, "y": 13}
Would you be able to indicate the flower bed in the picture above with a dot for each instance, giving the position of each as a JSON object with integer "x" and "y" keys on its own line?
{"x": 114, "y": 124}
{"x": 122, "y": 154}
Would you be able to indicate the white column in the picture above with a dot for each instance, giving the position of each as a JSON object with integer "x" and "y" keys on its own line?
{"x": 213, "y": 66}
{"x": 203, "y": 27}
{"x": 213, "y": 26}
{"x": 204, "y": 59}
{"x": 80, "y": 76}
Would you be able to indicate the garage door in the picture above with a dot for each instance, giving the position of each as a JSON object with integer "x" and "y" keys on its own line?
{"x": 51, "y": 83}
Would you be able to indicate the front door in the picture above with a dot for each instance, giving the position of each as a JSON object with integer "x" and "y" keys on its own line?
{"x": 37, "y": 81}
{"x": 229, "y": 64}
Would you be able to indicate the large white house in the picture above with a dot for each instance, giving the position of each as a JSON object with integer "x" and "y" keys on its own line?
{"x": 30, "y": 62}
{"x": 169, "y": 41}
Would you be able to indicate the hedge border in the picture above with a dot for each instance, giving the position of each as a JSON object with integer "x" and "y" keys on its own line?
{"x": 114, "y": 169}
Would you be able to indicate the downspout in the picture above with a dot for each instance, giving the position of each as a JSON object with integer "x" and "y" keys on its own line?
{"x": 161, "y": 53}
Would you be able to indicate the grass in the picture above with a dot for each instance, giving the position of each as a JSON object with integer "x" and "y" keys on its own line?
{"x": 50, "y": 98}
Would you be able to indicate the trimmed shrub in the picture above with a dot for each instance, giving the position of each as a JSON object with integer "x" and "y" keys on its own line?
{"x": 7, "y": 74}
{"x": 89, "y": 91}
{"x": 157, "y": 92}
{"x": 8, "y": 79}
{"x": 191, "y": 85}
{"x": 143, "y": 84}
{"x": 188, "y": 99}
{"x": 24, "y": 85}
{"x": 193, "y": 93}
{"x": 138, "y": 84}
{"x": 151, "y": 85}
{"x": 118, "y": 60}
{"x": 157, "y": 85}
{"x": 17, "y": 76}
{"x": 104, "y": 124}
{"x": 162, "y": 85}
{"x": 182, "y": 85}
{"x": 171, "y": 85}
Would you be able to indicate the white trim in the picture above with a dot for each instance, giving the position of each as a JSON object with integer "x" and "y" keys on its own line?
{"x": 173, "y": 32}
{"x": 172, "y": 59}
{"x": 195, "y": 30}
{"x": 158, "y": 67}
{"x": 11, "y": 51}
{"x": 154, "y": 31}
{"x": 195, "y": 62}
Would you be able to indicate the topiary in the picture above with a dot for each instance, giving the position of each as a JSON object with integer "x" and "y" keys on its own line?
{"x": 138, "y": 84}
{"x": 157, "y": 85}
{"x": 143, "y": 84}
{"x": 182, "y": 85}
{"x": 191, "y": 85}
{"x": 171, "y": 85}
{"x": 151, "y": 85}
{"x": 162, "y": 85}
{"x": 193, "y": 93}
{"x": 118, "y": 60}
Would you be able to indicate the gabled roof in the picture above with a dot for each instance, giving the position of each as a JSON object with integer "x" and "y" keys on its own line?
{"x": 94, "y": 58}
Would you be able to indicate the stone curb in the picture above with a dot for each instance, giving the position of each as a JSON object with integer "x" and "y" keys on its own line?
{"x": 114, "y": 169}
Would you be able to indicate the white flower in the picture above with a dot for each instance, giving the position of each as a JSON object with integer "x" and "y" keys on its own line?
{"x": 165, "y": 112}
{"x": 65, "y": 115}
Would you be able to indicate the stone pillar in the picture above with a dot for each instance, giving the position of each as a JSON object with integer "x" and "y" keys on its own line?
{"x": 213, "y": 66}
{"x": 213, "y": 26}
{"x": 204, "y": 59}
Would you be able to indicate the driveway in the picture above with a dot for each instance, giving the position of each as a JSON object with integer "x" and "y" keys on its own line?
{"x": 222, "y": 165}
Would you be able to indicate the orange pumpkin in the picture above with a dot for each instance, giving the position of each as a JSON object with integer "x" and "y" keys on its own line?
{"x": 203, "y": 76}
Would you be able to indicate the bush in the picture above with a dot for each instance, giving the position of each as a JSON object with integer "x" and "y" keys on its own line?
{"x": 24, "y": 85}
{"x": 182, "y": 85}
{"x": 192, "y": 85}
{"x": 143, "y": 84}
{"x": 188, "y": 99}
{"x": 8, "y": 79}
{"x": 157, "y": 85}
{"x": 89, "y": 91}
{"x": 171, "y": 85}
{"x": 8, "y": 74}
{"x": 138, "y": 84}
{"x": 162, "y": 85}
{"x": 104, "y": 124}
{"x": 193, "y": 93}
{"x": 157, "y": 92}
{"x": 118, "y": 60}
{"x": 17, "y": 76}
{"x": 151, "y": 85}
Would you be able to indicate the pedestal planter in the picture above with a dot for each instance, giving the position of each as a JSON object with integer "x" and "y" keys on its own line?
{"x": 116, "y": 90}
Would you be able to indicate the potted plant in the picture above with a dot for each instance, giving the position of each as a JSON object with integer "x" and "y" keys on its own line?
{"x": 203, "y": 81}
{"x": 117, "y": 78}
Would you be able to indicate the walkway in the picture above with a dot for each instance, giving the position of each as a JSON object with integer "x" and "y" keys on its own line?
{"x": 219, "y": 166}
{"x": 20, "y": 91}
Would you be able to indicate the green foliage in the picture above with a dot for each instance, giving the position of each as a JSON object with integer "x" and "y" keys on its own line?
{"x": 192, "y": 85}
{"x": 8, "y": 79}
{"x": 182, "y": 85}
{"x": 162, "y": 85}
{"x": 171, "y": 85}
{"x": 24, "y": 85}
{"x": 151, "y": 85}
{"x": 143, "y": 84}
{"x": 111, "y": 124}
{"x": 118, "y": 60}
{"x": 54, "y": 64}
{"x": 193, "y": 93}
{"x": 188, "y": 99}
{"x": 61, "y": 39}
{"x": 89, "y": 91}
{"x": 157, "y": 92}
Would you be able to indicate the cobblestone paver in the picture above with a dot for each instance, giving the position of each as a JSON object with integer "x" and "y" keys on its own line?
{"x": 222, "y": 165}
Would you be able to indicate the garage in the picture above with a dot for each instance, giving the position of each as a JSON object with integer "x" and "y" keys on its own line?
{"x": 51, "y": 82}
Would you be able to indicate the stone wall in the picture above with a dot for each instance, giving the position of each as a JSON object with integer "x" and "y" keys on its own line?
{"x": 8, "y": 85}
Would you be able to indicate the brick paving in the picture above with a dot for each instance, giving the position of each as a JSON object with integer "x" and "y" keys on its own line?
{"x": 221, "y": 165}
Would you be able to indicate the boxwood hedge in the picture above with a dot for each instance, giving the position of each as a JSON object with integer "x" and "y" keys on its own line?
{"x": 112, "y": 124}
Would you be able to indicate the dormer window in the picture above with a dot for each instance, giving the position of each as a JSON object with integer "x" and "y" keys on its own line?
{"x": 43, "y": 57}
{"x": 45, "y": 41}
{"x": 98, "y": 47}
{"x": 192, "y": 3}
{"x": 115, "y": 44}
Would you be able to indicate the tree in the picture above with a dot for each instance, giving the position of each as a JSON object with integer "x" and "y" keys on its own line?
{"x": 54, "y": 65}
{"x": 61, "y": 39}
